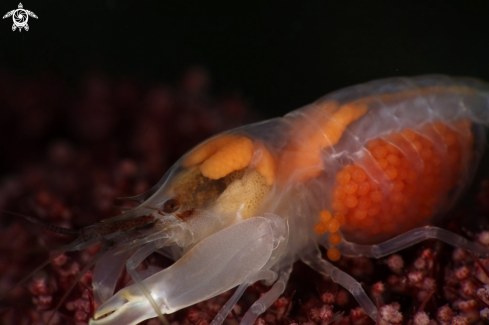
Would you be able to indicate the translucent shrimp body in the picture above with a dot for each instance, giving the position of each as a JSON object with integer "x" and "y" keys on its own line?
{"x": 361, "y": 171}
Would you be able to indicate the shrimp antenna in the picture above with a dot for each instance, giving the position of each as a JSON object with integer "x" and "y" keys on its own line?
{"x": 58, "y": 253}
{"x": 56, "y": 229}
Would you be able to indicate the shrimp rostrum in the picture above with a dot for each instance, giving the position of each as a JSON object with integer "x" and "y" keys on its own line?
{"x": 364, "y": 171}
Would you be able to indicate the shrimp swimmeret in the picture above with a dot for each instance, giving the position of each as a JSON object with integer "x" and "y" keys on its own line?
{"x": 362, "y": 171}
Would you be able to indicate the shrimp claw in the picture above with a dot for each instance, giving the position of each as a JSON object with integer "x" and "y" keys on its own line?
{"x": 249, "y": 246}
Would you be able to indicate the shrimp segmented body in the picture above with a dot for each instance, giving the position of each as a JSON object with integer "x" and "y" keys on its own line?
{"x": 363, "y": 171}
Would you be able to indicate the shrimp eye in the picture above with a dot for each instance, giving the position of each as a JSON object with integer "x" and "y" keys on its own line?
{"x": 171, "y": 205}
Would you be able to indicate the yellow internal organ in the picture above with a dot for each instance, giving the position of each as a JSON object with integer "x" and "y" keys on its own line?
{"x": 233, "y": 156}
{"x": 411, "y": 194}
{"x": 208, "y": 149}
{"x": 243, "y": 195}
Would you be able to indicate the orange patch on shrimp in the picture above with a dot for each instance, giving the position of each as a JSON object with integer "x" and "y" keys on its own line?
{"x": 332, "y": 128}
{"x": 208, "y": 149}
{"x": 235, "y": 155}
{"x": 228, "y": 153}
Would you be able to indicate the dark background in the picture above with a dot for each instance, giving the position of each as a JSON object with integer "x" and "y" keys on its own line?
{"x": 279, "y": 55}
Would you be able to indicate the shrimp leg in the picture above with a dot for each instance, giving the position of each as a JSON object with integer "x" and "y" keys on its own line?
{"x": 408, "y": 239}
{"x": 131, "y": 265}
{"x": 314, "y": 260}
{"x": 268, "y": 298}
{"x": 267, "y": 275}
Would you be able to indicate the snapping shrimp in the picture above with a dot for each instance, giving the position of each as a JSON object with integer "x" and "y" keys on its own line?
{"x": 363, "y": 171}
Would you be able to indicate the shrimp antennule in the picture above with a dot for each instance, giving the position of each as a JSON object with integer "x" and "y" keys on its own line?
{"x": 56, "y": 229}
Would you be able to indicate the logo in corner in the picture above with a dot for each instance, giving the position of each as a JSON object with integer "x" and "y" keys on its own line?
{"x": 20, "y": 17}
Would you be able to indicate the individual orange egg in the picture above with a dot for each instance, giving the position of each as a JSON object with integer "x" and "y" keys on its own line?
{"x": 393, "y": 160}
{"x": 333, "y": 225}
{"x": 333, "y": 254}
{"x": 343, "y": 177}
{"x": 320, "y": 228}
{"x": 334, "y": 238}
{"x": 379, "y": 152}
{"x": 409, "y": 135}
{"x": 350, "y": 187}
{"x": 392, "y": 149}
{"x": 339, "y": 194}
{"x": 350, "y": 201}
{"x": 359, "y": 175}
{"x": 364, "y": 202}
{"x": 363, "y": 188}
{"x": 340, "y": 217}
{"x": 325, "y": 216}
